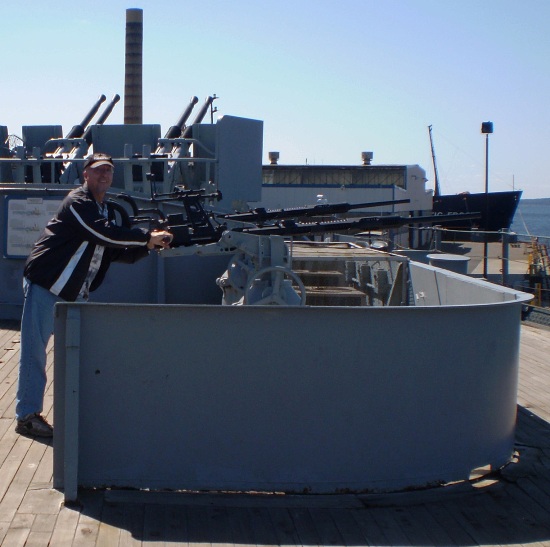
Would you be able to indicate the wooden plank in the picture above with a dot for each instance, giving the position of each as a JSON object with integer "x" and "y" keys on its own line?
{"x": 284, "y": 527}
{"x": 474, "y": 519}
{"x": 16, "y": 537}
{"x": 22, "y": 521}
{"x": 326, "y": 528}
{"x": 4, "y": 527}
{"x": 41, "y": 501}
{"x": 8, "y": 385}
{"x": 86, "y": 533}
{"x": 43, "y": 478}
{"x": 415, "y": 530}
{"x": 241, "y": 526}
{"x": 89, "y": 516}
{"x": 348, "y": 527}
{"x": 13, "y": 480}
{"x": 132, "y": 526}
{"x": 111, "y": 525}
{"x": 262, "y": 527}
{"x": 154, "y": 525}
{"x": 305, "y": 527}
{"x": 44, "y": 523}
{"x": 448, "y": 520}
{"x": 520, "y": 513}
{"x": 8, "y": 437}
{"x": 373, "y": 533}
{"x": 38, "y": 539}
{"x": 9, "y": 336}
{"x": 220, "y": 529}
{"x": 387, "y": 520}
{"x": 176, "y": 525}
{"x": 428, "y": 527}
{"x": 65, "y": 527}
{"x": 7, "y": 353}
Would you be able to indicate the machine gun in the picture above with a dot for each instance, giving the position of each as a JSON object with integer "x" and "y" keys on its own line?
{"x": 262, "y": 215}
{"x": 259, "y": 271}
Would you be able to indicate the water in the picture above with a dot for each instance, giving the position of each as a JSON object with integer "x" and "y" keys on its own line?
{"x": 532, "y": 218}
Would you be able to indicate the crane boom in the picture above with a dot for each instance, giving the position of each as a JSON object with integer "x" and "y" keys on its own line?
{"x": 437, "y": 189}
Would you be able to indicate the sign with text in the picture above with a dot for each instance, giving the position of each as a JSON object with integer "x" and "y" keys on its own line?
{"x": 25, "y": 218}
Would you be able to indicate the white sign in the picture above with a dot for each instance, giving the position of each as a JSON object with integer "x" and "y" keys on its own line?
{"x": 25, "y": 220}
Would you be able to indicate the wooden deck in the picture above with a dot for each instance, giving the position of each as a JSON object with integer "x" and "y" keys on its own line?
{"x": 510, "y": 507}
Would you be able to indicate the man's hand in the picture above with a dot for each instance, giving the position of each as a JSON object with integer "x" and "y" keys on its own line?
{"x": 160, "y": 239}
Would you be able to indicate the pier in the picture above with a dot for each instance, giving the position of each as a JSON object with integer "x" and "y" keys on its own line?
{"x": 510, "y": 506}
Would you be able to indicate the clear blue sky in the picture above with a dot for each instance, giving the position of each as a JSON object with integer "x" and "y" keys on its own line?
{"x": 329, "y": 78}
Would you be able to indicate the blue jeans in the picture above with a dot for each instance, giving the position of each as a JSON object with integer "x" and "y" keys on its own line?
{"x": 36, "y": 330}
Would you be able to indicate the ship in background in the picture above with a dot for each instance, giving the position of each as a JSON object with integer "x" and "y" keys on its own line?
{"x": 497, "y": 208}
{"x": 294, "y": 185}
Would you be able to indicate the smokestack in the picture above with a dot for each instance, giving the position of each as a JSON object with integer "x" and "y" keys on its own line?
{"x": 133, "y": 92}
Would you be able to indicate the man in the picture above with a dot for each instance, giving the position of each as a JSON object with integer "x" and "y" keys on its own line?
{"x": 69, "y": 260}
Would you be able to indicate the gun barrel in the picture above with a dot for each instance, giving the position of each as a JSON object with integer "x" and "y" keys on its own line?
{"x": 363, "y": 224}
{"x": 78, "y": 130}
{"x": 109, "y": 108}
{"x": 200, "y": 115}
{"x": 175, "y": 131}
{"x": 322, "y": 209}
{"x": 87, "y": 135}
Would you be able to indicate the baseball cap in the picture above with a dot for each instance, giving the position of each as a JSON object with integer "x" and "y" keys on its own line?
{"x": 98, "y": 159}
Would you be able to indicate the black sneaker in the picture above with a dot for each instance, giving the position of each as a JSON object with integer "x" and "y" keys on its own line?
{"x": 34, "y": 425}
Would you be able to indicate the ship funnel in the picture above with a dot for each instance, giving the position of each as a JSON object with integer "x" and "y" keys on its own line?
{"x": 366, "y": 157}
{"x": 133, "y": 92}
{"x": 273, "y": 158}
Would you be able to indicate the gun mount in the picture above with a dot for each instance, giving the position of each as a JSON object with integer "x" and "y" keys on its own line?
{"x": 76, "y": 148}
{"x": 50, "y": 157}
{"x": 260, "y": 266}
{"x": 224, "y": 155}
{"x": 176, "y": 144}
{"x": 74, "y": 137}
{"x": 78, "y": 130}
{"x": 176, "y": 130}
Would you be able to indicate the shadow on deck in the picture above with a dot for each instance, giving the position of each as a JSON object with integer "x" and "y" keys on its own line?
{"x": 510, "y": 506}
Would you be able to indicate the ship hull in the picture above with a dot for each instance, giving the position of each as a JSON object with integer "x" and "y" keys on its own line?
{"x": 497, "y": 209}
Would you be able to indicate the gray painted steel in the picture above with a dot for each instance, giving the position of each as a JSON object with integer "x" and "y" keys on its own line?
{"x": 454, "y": 263}
{"x": 439, "y": 287}
{"x": 285, "y": 398}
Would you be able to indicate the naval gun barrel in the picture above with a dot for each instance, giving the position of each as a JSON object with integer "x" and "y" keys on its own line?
{"x": 87, "y": 135}
{"x": 175, "y": 131}
{"x": 78, "y": 130}
{"x": 108, "y": 109}
{"x": 200, "y": 115}
{"x": 321, "y": 209}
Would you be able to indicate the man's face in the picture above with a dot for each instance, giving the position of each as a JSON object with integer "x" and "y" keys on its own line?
{"x": 99, "y": 180}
